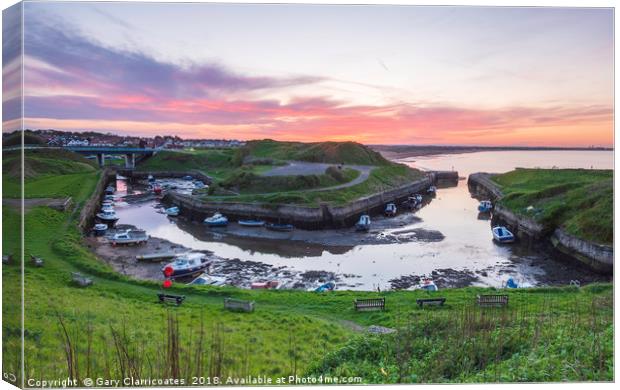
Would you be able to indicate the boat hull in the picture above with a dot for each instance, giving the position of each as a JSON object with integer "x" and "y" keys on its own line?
{"x": 249, "y": 223}
{"x": 185, "y": 272}
{"x": 279, "y": 228}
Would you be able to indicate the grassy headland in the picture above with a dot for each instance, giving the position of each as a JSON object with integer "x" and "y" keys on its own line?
{"x": 579, "y": 200}
{"x": 238, "y": 172}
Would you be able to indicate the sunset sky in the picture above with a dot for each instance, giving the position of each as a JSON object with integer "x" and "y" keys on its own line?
{"x": 373, "y": 74}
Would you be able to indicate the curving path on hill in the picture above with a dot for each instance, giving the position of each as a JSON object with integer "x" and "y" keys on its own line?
{"x": 307, "y": 168}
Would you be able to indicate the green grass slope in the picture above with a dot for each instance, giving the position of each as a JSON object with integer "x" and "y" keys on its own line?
{"x": 579, "y": 200}
{"x": 48, "y": 173}
{"x": 323, "y": 152}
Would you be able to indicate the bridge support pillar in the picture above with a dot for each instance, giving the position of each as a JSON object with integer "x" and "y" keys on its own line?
{"x": 130, "y": 161}
{"x": 101, "y": 159}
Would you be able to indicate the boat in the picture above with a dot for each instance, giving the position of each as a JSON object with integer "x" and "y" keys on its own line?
{"x": 109, "y": 190}
{"x": 431, "y": 190}
{"x": 264, "y": 285}
{"x": 100, "y": 229}
{"x": 209, "y": 280}
{"x": 216, "y": 220}
{"x": 129, "y": 236}
{"x": 107, "y": 207}
{"x": 172, "y": 211}
{"x": 108, "y": 197}
{"x": 251, "y": 223}
{"x": 156, "y": 189}
{"x": 485, "y": 206}
{"x": 414, "y": 201}
{"x": 428, "y": 285}
{"x": 188, "y": 178}
{"x": 107, "y": 201}
{"x": 502, "y": 235}
{"x": 513, "y": 283}
{"x": 390, "y": 210}
{"x": 363, "y": 225}
{"x": 198, "y": 184}
{"x": 150, "y": 179}
{"x": 329, "y": 286}
{"x": 188, "y": 264}
{"x": 280, "y": 227}
{"x": 107, "y": 216}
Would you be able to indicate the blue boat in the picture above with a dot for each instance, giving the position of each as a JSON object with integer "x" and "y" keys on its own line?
{"x": 329, "y": 286}
{"x": 502, "y": 235}
{"x": 172, "y": 211}
{"x": 390, "y": 210}
{"x": 280, "y": 227}
{"x": 217, "y": 220}
{"x": 251, "y": 223}
{"x": 363, "y": 225}
{"x": 485, "y": 206}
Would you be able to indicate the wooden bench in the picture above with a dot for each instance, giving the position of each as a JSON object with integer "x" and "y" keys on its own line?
{"x": 369, "y": 304}
{"x": 80, "y": 279}
{"x": 238, "y": 305}
{"x": 431, "y": 302}
{"x": 492, "y": 300}
{"x": 169, "y": 298}
{"x": 36, "y": 261}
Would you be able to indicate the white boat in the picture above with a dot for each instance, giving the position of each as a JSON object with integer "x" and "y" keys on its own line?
{"x": 363, "y": 225}
{"x": 428, "y": 285}
{"x": 129, "y": 236}
{"x": 431, "y": 189}
{"x": 100, "y": 229}
{"x": 485, "y": 206}
{"x": 188, "y": 264}
{"x": 216, "y": 220}
{"x": 251, "y": 222}
{"x": 390, "y": 210}
{"x": 107, "y": 202}
{"x": 150, "y": 179}
{"x": 172, "y": 211}
{"x": 107, "y": 207}
{"x": 502, "y": 235}
{"x": 107, "y": 216}
{"x": 209, "y": 280}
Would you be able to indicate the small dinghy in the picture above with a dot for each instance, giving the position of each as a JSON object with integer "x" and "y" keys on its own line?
{"x": 209, "y": 280}
{"x": 414, "y": 201}
{"x": 363, "y": 225}
{"x": 151, "y": 179}
{"x": 264, "y": 285}
{"x": 109, "y": 190}
{"x": 107, "y": 207}
{"x": 329, "y": 286}
{"x": 390, "y": 210}
{"x": 217, "y": 220}
{"x": 100, "y": 229}
{"x": 485, "y": 206}
{"x": 280, "y": 227}
{"x": 129, "y": 236}
{"x": 431, "y": 190}
{"x": 107, "y": 216}
{"x": 198, "y": 184}
{"x": 109, "y": 197}
{"x": 188, "y": 264}
{"x": 428, "y": 285}
{"x": 502, "y": 235}
{"x": 172, "y": 211}
{"x": 188, "y": 178}
{"x": 251, "y": 223}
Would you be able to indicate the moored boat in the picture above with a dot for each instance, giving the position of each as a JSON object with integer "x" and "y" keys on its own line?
{"x": 264, "y": 285}
{"x": 109, "y": 190}
{"x": 150, "y": 179}
{"x": 431, "y": 190}
{"x": 209, "y": 280}
{"x": 107, "y": 207}
{"x": 216, "y": 220}
{"x": 100, "y": 229}
{"x": 280, "y": 227}
{"x": 363, "y": 225}
{"x": 172, "y": 211}
{"x": 107, "y": 216}
{"x": 502, "y": 235}
{"x": 251, "y": 223}
{"x": 129, "y": 236}
{"x": 157, "y": 189}
{"x": 329, "y": 286}
{"x": 188, "y": 264}
{"x": 390, "y": 210}
{"x": 428, "y": 285}
{"x": 485, "y": 206}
